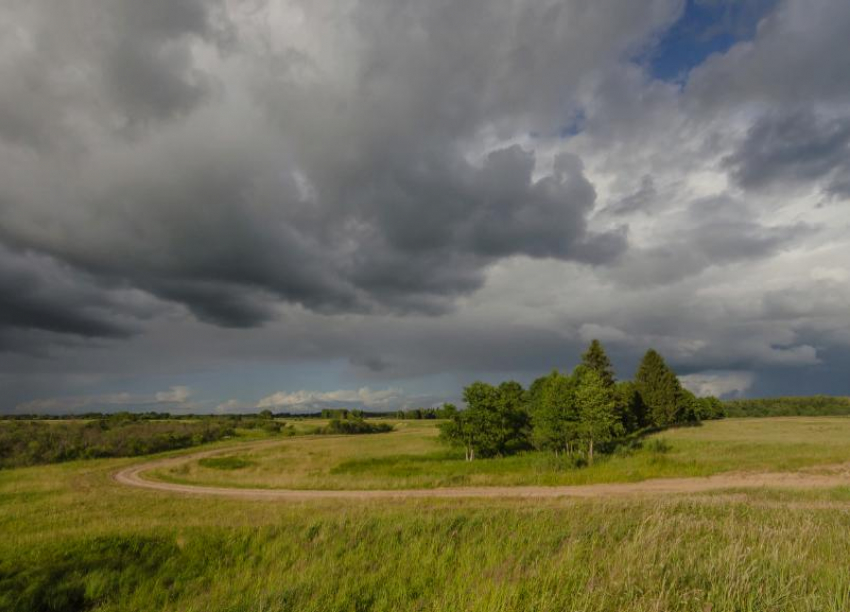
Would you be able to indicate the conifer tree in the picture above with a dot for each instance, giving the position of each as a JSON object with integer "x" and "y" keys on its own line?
{"x": 660, "y": 390}
{"x": 597, "y": 360}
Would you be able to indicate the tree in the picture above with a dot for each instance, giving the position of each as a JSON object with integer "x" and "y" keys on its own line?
{"x": 464, "y": 429}
{"x": 266, "y": 414}
{"x": 710, "y": 408}
{"x": 595, "y": 401}
{"x": 690, "y": 407}
{"x": 596, "y": 359}
{"x": 493, "y": 423}
{"x": 659, "y": 390}
{"x": 507, "y": 424}
{"x": 447, "y": 411}
{"x": 553, "y": 412}
{"x": 630, "y": 408}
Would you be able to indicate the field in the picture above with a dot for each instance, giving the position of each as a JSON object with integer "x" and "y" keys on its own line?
{"x": 73, "y": 539}
{"x": 412, "y": 457}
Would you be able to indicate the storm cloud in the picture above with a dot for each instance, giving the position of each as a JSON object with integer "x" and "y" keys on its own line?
{"x": 798, "y": 147}
{"x": 408, "y": 193}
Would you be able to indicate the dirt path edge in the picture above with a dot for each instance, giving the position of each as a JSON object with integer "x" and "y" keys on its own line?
{"x": 132, "y": 476}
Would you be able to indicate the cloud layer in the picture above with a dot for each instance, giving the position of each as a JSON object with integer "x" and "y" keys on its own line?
{"x": 408, "y": 193}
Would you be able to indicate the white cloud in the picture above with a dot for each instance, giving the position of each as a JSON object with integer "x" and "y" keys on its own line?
{"x": 363, "y": 397}
{"x": 718, "y": 383}
{"x": 176, "y": 395}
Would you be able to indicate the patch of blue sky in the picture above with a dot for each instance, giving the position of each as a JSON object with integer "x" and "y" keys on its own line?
{"x": 706, "y": 27}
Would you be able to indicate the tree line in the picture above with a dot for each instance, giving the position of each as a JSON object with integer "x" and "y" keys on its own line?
{"x": 816, "y": 405}
{"x": 576, "y": 413}
{"x": 31, "y": 443}
{"x": 446, "y": 411}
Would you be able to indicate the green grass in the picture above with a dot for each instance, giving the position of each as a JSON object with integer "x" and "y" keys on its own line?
{"x": 413, "y": 457}
{"x": 75, "y": 540}
{"x": 225, "y": 463}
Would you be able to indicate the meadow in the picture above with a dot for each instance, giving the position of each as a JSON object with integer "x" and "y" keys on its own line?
{"x": 75, "y": 540}
{"x": 412, "y": 456}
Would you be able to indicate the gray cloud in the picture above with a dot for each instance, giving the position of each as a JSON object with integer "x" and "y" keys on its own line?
{"x": 638, "y": 201}
{"x": 367, "y": 198}
{"x": 174, "y": 175}
{"x": 69, "y": 69}
{"x": 796, "y": 147}
{"x": 40, "y": 294}
{"x": 709, "y": 232}
{"x": 801, "y": 52}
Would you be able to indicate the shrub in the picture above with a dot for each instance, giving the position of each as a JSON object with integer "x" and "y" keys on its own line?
{"x": 354, "y": 426}
{"x": 30, "y": 443}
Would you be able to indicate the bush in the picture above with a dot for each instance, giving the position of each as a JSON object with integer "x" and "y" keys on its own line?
{"x": 31, "y": 443}
{"x": 354, "y": 426}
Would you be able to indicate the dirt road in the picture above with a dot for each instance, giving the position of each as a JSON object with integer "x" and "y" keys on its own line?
{"x": 836, "y": 476}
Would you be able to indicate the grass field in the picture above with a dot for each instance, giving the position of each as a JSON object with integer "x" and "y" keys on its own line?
{"x": 412, "y": 457}
{"x": 74, "y": 540}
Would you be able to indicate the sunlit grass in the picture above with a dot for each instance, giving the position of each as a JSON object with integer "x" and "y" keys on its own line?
{"x": 75, "y": 540}
{"x": 413, "y": 457}
{"x": 70, "y": 532}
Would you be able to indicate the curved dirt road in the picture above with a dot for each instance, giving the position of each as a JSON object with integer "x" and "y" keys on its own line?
{"x": 132, "y": 476}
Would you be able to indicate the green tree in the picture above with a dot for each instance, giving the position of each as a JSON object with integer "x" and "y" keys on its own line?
{"x": 630, "y": 408}
{"x": 690, "y": 407}
{"x": 553, "y": 412}
{"x": 596, "y": 403}
{"x": 494, "y": 423}
{"x": 709, "y": 408}
{"x": 461, "y": 430}
{"x": 660, "y": 391}
{"x": 596, "y": 359}
{"x": 510, "y": 423}
{"x": 447, "y": 411}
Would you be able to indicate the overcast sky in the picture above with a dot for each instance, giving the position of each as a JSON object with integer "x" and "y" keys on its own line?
{"x": 210, "y": 205}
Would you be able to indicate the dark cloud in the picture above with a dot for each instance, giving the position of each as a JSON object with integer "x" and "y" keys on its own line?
{"x": 788, "y": 148}
{"x": 339, "y": 174}
{"x": 42, "y": 295}
{"x": 367, "y": 198}
{"x": 372, "y": 363}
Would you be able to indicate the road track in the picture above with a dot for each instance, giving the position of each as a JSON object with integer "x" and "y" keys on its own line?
{"x": 829, "y": 476}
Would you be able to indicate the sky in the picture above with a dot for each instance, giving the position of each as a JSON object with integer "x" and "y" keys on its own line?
{"x": 221, "y": 206}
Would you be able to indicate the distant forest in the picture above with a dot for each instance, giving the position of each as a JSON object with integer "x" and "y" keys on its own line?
{"x": 816, "y": 405}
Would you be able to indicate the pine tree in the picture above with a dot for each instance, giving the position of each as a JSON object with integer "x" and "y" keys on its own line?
{"x": 597, "y": 360}
{"x": 660, "y": 390}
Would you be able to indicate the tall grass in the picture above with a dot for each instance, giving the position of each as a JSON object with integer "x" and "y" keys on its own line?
{"x": 72, "y": 539}
{"x": 138, "y": 551}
